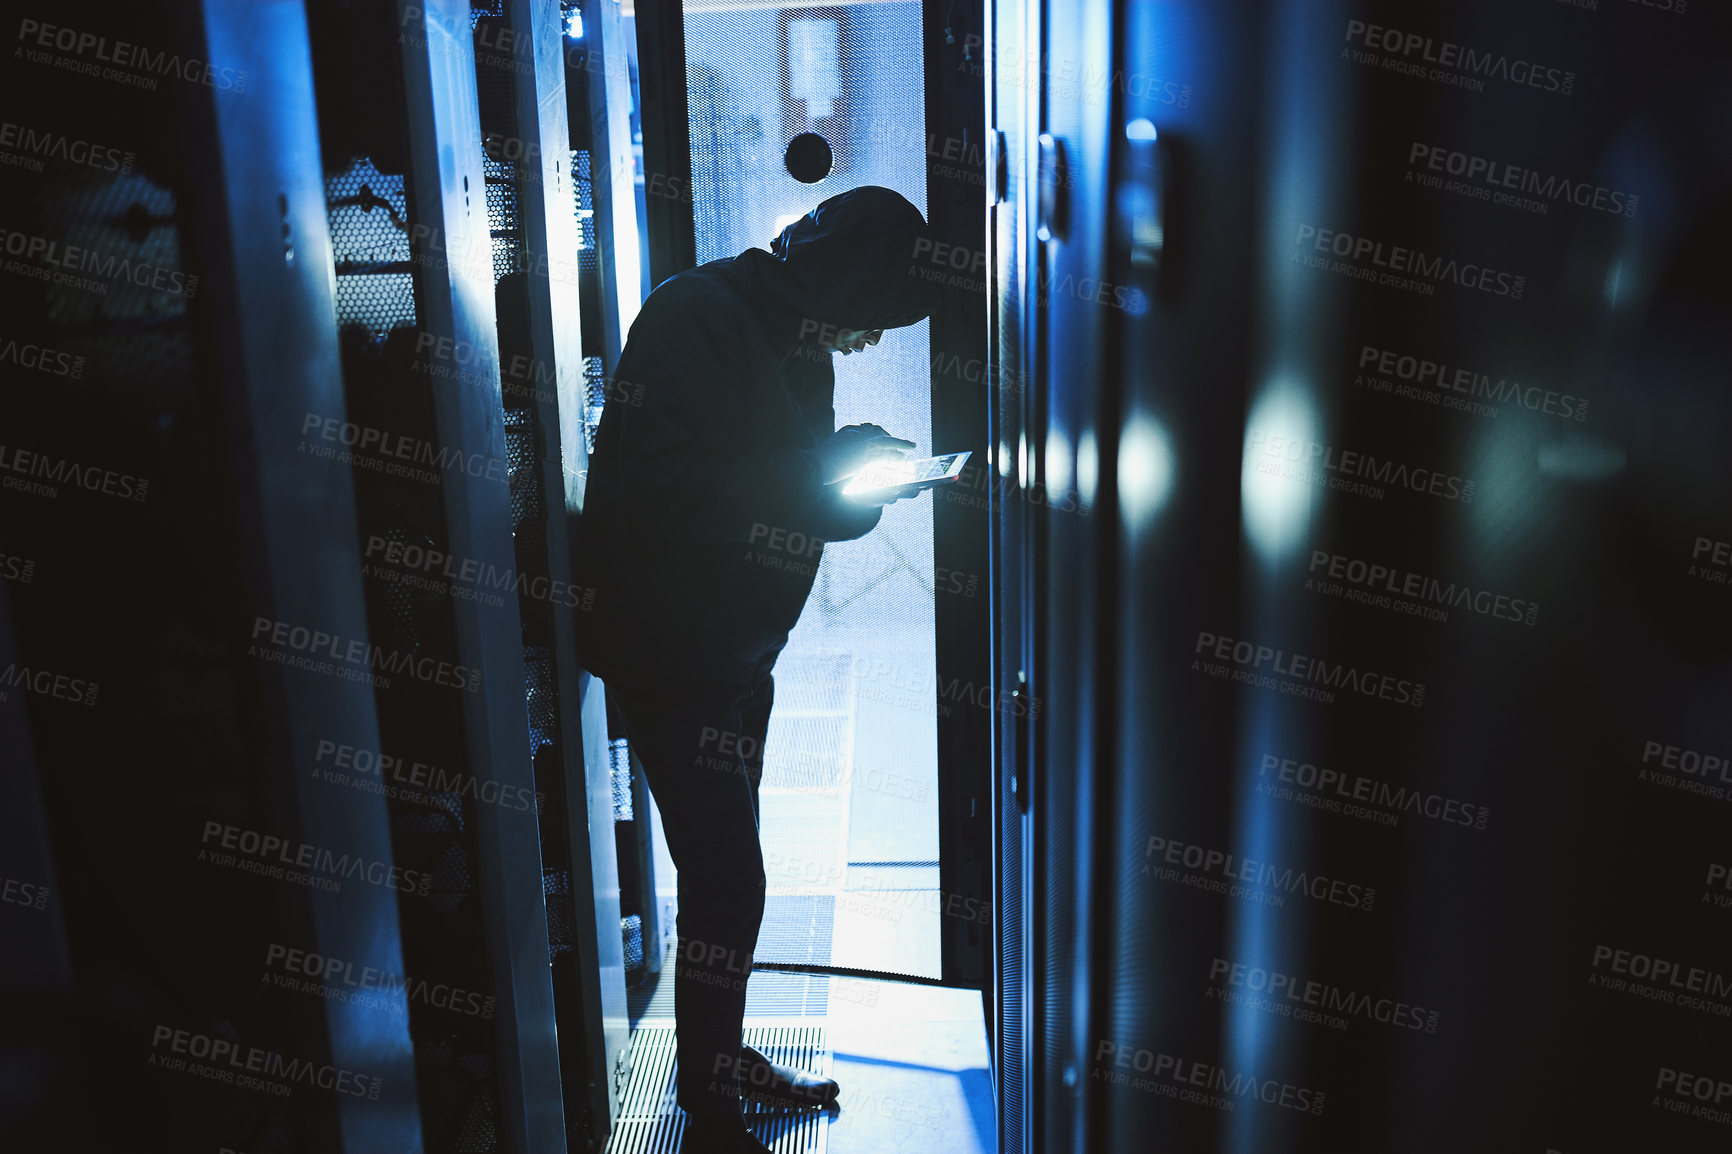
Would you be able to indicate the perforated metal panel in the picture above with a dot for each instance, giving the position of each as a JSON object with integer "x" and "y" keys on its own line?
{"x": 583, "y": 206}
{"x": 539, "y": 690}
{"x": 527, "y": 501}
{"x": 631, "y": 929}
{"x": 370, "y": 247}
{"x": 502, "y": 220}
{"x": 619, "y": 767}
{"x": 594, "y": 397}
{"x": 133, "y": 337}
{"x": 589, "y": 277}
{"x": 459, "y": 1104}
{"x": 561, "y": 911}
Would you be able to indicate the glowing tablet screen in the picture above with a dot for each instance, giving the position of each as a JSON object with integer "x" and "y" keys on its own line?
{"x": 924, "y": 472}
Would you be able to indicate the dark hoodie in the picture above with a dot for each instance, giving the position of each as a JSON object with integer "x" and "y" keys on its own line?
{"x": 704, "y": 515}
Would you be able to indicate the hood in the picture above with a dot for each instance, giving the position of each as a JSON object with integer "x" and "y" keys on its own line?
{"x": 854, "y": 262}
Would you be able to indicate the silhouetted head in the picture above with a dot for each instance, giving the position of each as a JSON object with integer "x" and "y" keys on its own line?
{"x": 853, "y": 268}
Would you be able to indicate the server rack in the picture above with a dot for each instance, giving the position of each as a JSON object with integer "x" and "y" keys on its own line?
{"x": 431, "y": 220}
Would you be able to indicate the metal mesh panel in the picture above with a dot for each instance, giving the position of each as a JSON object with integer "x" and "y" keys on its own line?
{"x": 408, "y": 599}
{"x": 873, "y": 603}
{"x": 480, "y": 1131}
{"x": 502, "y": 220}
{"x": 619, "y": 763}
{"x": 458, "y": 1106}
{"x": 594, "y": 397}
{"x": 589, "y": 273}
{"x": 583, "y": 207}
{"x": 133, "y": 336}
{"x": 542, "y": 698}
{"x": 452, "y": 876}
{"x": 443, "y": 813}
{"x": 631, "y": 929}
{"x": 522, "y": 467}
{"x": 724, "y": 145}
{"x": 370, "y": 247}
{"x": 561, "y": 918}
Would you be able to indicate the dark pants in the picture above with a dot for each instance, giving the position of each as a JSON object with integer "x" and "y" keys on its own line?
{"x": 702, "y": 749}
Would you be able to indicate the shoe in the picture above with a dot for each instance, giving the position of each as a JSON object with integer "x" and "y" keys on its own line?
{"x": 719, "y": 1134}
{"x": 762, "y": 1080}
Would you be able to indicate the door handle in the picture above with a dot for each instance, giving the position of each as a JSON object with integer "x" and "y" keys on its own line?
{"x": 1053, "y": 200}
{"x": 1142, "y": 195}
{"x": 1022, "y": 777}
{"x": 997, "y": 168}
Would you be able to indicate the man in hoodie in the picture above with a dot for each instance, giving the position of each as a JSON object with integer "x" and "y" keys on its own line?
{"x": 728, "y": 444}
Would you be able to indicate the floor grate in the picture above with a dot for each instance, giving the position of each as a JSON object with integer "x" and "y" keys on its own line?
{"x": 650, "y": 1123}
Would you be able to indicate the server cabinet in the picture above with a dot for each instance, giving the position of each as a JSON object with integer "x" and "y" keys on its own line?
{"x": 448, "y": 182}
{"x": 553, "y": 385}
{"x": 260, "y": 203}
{"x": 1419, "y": 292}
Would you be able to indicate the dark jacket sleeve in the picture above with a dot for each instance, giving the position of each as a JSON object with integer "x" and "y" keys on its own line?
{"x": 834, "y": 517}
{"x": 686, "y": 468}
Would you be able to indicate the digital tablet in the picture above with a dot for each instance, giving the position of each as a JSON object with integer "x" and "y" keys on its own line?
{"x": 919, "y": 474}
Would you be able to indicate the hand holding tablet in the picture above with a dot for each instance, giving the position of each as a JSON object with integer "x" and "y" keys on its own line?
{"x": 848, "y": 450}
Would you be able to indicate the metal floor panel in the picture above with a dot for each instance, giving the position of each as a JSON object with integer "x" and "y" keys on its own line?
{"x": 912, "y": 1062}
{"x": 768, "y": 995}
{"x": 797, "y": 930}
{"x": 650, "y": 1122}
